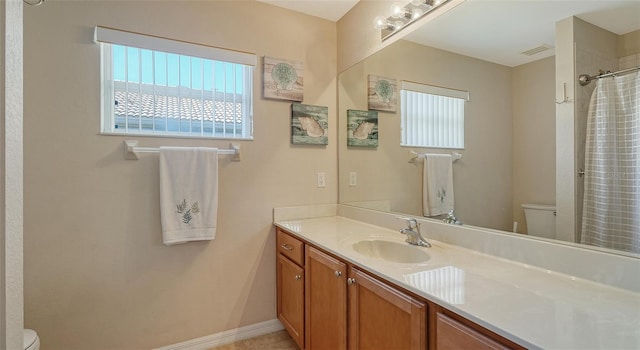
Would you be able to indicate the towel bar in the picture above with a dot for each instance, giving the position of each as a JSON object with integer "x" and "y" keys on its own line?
{"x": 131, "y": 150}
{"x": 413, "y": 155}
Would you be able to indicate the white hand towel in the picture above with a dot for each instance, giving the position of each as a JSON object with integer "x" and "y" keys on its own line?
{"x": 188, "y": 194}
{"x": 437, "y": 186}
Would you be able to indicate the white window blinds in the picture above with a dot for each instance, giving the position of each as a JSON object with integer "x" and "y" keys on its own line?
{"x": 432, "y": 116}
{"x": 164, "y": 87}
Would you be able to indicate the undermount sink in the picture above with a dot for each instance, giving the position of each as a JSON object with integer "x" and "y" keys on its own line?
{"x": 391, "y": 251}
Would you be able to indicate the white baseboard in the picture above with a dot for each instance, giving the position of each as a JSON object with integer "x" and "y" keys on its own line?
{"x": 227, "y": 337}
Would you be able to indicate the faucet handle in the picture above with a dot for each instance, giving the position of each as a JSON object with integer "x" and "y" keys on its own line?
{"x": 411, "y": 222}
{"x": 451, "y": 219}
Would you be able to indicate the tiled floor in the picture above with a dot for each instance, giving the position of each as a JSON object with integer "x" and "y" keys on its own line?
{"x": 276, "y": 340}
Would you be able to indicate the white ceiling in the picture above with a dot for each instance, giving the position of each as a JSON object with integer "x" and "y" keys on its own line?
{"x": 497, "y": 30}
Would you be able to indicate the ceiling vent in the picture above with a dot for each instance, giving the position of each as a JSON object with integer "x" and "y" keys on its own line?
{"x": 538, "y": 49}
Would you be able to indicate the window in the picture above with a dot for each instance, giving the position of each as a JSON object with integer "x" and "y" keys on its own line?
{"x": 432, "y": 116}
{"x": 161, "y": 87}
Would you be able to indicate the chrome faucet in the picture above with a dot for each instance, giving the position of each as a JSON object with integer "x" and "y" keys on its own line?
{"x": 451, "y": 219}
{"x": 413, "y": 233}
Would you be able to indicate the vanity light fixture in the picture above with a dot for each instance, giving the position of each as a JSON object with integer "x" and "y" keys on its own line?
{"x": 404, "y": 14}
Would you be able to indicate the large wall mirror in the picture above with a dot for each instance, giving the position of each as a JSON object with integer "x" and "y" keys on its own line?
{"x": 505, "y": 55}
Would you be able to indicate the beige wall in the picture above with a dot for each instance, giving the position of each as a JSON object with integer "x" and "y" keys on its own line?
{"x": 97, "y": 275}
{"x": 482, "y": 179}
{"x": 534, "y": 143}
{"x": 629, "y": 44}
{"x": 357, "y": 37}
{"x": 565, "y": 132}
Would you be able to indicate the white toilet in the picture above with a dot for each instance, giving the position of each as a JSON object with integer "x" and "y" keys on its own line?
{"x": 30, "y": 340}
{"x": 541, "y": 220}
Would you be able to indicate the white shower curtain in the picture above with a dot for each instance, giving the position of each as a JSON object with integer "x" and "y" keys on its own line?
{"x": 611, "y": 211}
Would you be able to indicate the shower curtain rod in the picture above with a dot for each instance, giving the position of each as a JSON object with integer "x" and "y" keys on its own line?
{"x": 585, "y": 79}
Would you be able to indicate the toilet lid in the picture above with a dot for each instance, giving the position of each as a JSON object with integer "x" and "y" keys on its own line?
{"x": 538, "y": 206}
{"x": 29, "y": 338}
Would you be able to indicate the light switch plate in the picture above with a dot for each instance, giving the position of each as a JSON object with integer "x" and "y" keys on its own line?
{"x": 321, "y": 179}
{"x": 353, "y": 179}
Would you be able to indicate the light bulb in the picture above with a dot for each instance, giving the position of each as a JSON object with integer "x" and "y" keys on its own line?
{"x": 380, "y": 22}
{"x": 398, "y": 11}
{"x": 416, "y": 13}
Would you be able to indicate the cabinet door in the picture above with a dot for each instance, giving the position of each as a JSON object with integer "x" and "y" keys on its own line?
{"x": 326, "y": 301}
{"x": 453, "y": 335}
{"x": 290, "y": 283}
{"x": 381, "y": 317}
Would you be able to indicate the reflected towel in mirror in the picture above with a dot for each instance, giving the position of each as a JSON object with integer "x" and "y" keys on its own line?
{"x": 437, "y": 186}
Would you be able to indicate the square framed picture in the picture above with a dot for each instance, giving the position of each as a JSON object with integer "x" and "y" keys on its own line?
{"x": 382, "y": 93}
{"x": 362, "y": 128}
{"x": 309, "y": 124}
{"x": 283, "y": 79}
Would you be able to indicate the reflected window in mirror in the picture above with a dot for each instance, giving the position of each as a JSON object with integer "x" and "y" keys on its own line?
{"x": 432, "y": 116}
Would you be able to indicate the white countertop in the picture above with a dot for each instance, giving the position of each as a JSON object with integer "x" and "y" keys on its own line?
{"x": 531, "y": 306}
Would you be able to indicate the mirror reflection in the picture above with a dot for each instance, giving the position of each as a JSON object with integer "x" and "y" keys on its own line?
{"x": 525, "y": 122}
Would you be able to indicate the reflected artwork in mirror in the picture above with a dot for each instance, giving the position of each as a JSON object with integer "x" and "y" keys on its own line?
{"x": 520, "y": 147}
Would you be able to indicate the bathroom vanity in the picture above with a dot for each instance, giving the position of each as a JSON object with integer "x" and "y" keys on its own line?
{"x": 344, "y": 283}
{"x": 346, "y": 306}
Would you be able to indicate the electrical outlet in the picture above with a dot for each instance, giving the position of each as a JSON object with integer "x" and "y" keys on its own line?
{"x": 352, "y": 178}
{"x": 321, "y": 180}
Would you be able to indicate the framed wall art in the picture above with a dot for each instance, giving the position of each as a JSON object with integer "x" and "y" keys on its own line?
{"x": 362, "y": 128}
{"x": 309, "y": 124}
{"x": 283, "y": 79}
{"x": 382, "y": 93}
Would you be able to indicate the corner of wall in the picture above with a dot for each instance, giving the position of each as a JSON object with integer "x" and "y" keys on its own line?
{"x": 629, "y": 44}
{"x": 11, "y": 238}
{"x": 565, "y": 131}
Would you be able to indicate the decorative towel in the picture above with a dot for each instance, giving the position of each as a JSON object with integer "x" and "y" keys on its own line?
{"x": 437, "y": 185}
{"x": 188, "y": 194}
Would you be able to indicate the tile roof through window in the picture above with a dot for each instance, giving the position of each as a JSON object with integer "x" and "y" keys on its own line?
{"x": 135, "y": 104}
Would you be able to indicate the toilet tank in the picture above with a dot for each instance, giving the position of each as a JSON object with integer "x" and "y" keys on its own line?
{"x": 541, "y": 220}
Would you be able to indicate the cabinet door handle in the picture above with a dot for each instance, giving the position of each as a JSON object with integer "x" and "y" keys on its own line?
{"x": 286, "y": 247}
{"x": 298, "y": 277}
{"x": 351, "y": 281}
{"x": 338, "y": 274}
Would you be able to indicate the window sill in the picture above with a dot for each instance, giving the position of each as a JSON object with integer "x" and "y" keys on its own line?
{"x": 176, "y": 136}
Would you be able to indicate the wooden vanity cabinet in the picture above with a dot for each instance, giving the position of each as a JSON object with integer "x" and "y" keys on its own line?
{"x": 333, "y": 310}
{"x": 325, "y": 301}
{"x": 382, "y": 317}
{"x": 290, "y": 285}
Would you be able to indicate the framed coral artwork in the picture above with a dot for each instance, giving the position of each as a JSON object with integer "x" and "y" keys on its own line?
{"x": 382, "y": 93}
{"x": 362, "y": 128}
{"x": 283, "y": 79}
{"x": 309, "y": 124}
